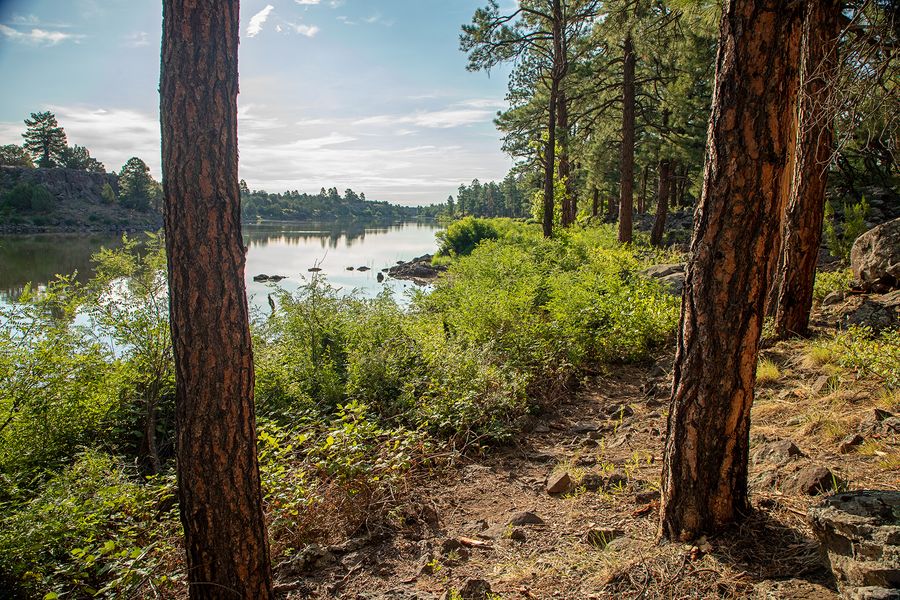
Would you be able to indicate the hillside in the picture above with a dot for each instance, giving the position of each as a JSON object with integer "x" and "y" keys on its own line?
{"x": 77, "y": 203}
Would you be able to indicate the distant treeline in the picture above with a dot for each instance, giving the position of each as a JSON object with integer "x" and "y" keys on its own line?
{"x": 511, "y": 197}
{"x": 326, "y": 205}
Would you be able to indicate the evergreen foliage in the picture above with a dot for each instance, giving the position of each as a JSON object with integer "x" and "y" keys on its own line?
{"x": 45, "y": 139}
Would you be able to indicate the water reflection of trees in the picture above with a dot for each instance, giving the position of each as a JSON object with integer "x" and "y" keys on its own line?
{"x": 329, "y": 235}
{"x": 40, "y": 258}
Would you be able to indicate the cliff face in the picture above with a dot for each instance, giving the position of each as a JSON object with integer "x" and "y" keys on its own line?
{"x": 79, "y": 203}
{"x": 68, "y": 185}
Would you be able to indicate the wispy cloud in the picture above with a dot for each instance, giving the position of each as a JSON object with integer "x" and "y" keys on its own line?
{"x": 38, "y": 36}
{"x": 377, "y": 19}
{"x": 137, "y": 39}
{"x": 258, "y": 20}
{"x": 303, "y": 29}
{"x": 437, "y": 119}
{"x": 307, "y": 2}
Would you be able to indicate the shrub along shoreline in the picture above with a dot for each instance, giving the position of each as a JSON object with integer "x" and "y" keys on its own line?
{"x": 353, "y": 395}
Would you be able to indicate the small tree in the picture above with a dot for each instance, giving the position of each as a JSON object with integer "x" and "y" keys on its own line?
{"x": 136, "y": 186}
{"x": 12, "y": 155}
{"x": 78, "y": 157}
{"x": 45, "y": 139}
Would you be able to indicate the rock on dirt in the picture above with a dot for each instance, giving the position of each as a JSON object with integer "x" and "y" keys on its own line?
{"x": 860, "y": 534}
{"x": 849, "y": 443}
{"x": 559, "y": 483}
{"x": 875, "y": 257}
{"x": 877, "y": 311}
{"x": 779, "y": 452}
{"x": 473, "y": 589}
{"x": 600, "y": 537}
{"x": 525, "y": 518}
{"x": 812, "y": 480}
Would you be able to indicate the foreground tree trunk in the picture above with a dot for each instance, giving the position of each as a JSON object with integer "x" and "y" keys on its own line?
{"x": 802, "y": 227}
{"x": 595, "y": 203}
{"x": 662, "y": 204}
{"x": 218, "y": 474}
{"x": 626, "y": 196}
{"x": 748, "y": 165}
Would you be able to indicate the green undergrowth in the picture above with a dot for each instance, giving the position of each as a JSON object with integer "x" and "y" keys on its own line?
{"x": 355, "y": 397}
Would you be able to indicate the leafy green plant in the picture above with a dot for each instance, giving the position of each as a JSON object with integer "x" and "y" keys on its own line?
{"x": 840, "y": 235}
{"x": 462, "y": 236}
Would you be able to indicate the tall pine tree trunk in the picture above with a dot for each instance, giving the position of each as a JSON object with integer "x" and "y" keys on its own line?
{"x": 218, "y": 474}
{"x": 662, "y": 204}
{"x": 562, "y": 126}
{"x": 595, "y": 203}
{"x": 802, "y": 227}
{"x": 704, "y": 485}
{"x": 550, "y": 160}
{"x": 626, "y": 196}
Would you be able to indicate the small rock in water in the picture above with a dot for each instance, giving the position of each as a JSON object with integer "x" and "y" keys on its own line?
{"x": 380, "y": 277}
{"x": 350, "y": 268}
{"x": 314, "y": 269}
{"x": 363, "y": 268}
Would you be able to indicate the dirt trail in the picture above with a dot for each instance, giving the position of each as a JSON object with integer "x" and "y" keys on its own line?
{"x": 493, "y": 519}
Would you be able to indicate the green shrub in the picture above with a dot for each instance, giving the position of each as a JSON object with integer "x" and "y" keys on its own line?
{"x": 27, "y": 197}
{"x": 462, "y": 236}
{"x": 840, "y": 235}
{"x": 42, "y": 201}
{"x": 91, "y": 532}
{"x": 827, "y": 282}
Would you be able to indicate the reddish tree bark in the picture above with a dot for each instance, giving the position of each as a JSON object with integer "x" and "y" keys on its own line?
{"x": 805, "y": 212}
{"x": 595, "y": 204}
{"x": 748, "y": 167}
{"x": 626, "y": 196}
{"x": 218, "y": 474}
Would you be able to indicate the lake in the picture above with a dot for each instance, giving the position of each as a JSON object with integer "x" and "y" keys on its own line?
{"x": 286, "y": 249}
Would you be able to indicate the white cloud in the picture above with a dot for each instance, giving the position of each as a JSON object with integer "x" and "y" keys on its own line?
{"x": 307, "y": 2}
{"x": 436, "y": 119}
{"x": 307, "y": 30}
{"x": 377, "y": 19}
{"x": 258, "y": 20}
{"x": 38, "y": 36}
{"x": 137, "y": 39}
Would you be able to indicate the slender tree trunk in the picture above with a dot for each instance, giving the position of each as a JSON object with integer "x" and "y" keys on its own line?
{"x": 626, "y": 197}
{"x": 642, "y": 198}
{"x": 802, "y": 227}
{"x": 662, "y": 204}
{"x": 558, "y": 72}
{"x": 550, "y": 159}
{"x": 218, "y": 474}
{"x": 704, "y": 485}
{"x": 562, "y": 126}
{"x": 595, "y": 204}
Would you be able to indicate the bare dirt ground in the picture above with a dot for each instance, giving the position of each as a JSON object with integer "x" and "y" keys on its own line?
{"x": 490, "y": 522}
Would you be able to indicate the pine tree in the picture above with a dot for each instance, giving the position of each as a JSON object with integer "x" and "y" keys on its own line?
{"x": 45, "y": 139}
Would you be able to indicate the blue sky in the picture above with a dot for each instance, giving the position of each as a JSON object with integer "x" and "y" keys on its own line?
{"x": 368, "y": 94}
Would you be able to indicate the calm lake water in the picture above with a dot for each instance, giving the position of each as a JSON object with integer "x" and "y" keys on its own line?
{"x": 287, "y": 249}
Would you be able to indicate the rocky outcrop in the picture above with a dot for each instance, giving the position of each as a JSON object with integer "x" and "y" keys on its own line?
{"x": 79, "y": 204}
{"x": 67, "y": 185}
{"x": 418, "y": 270}
{"x": 879, "y": 312}
{"x": 875, "y": 257}
{"x": 671, "y": 277}
{"x": 860, "y": 536}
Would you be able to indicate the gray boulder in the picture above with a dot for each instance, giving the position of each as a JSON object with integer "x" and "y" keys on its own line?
{"x": 875, "y": 256}
{"x": 860, "y": 536}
